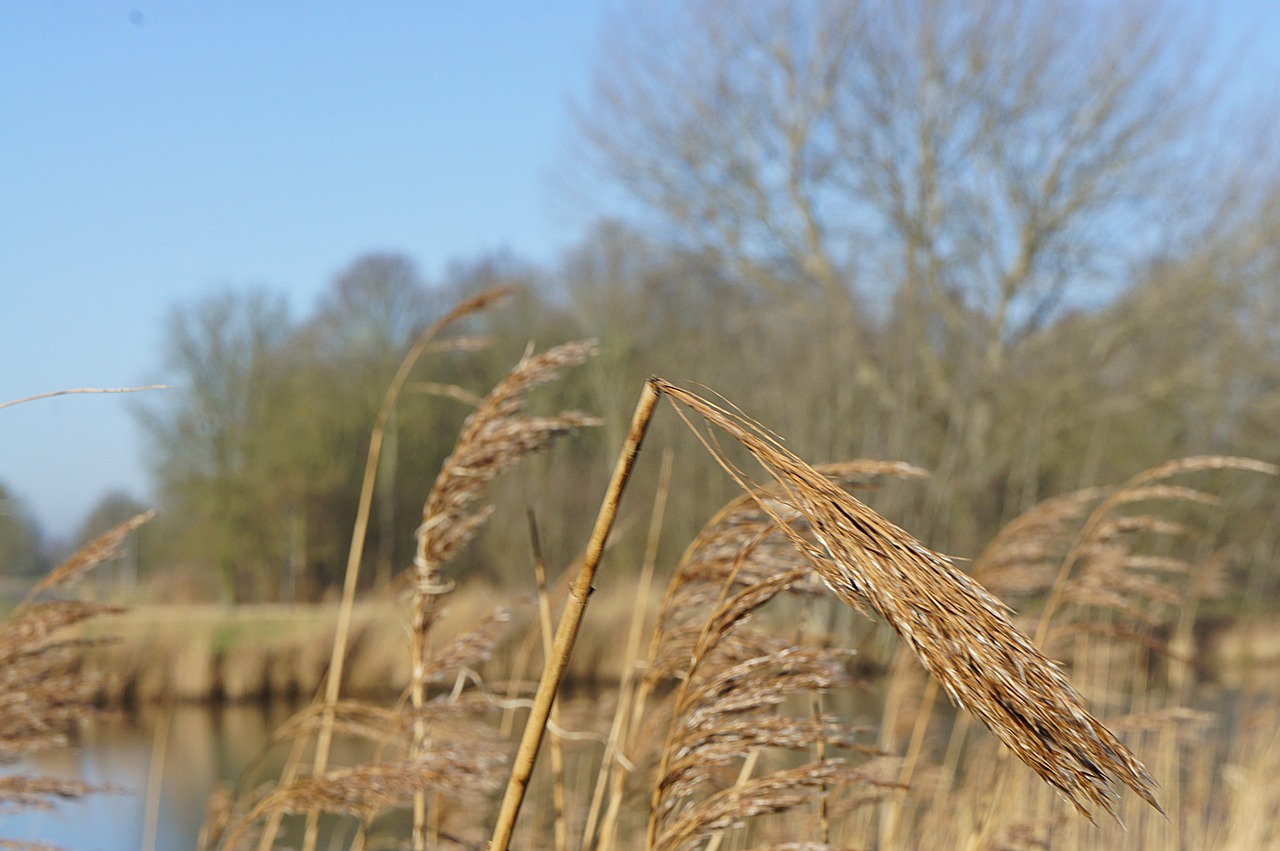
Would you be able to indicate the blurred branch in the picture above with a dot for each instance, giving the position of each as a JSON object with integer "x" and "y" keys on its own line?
{"x": 79, "y": 390}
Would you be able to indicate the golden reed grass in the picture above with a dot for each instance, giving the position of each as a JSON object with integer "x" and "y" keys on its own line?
{"x": 747, "y": 736}
{"x": 962, "y": 635}
{"x": 424, "y": 766}
{"x": 737, "y": 679}
{"x": 43, "y": 690}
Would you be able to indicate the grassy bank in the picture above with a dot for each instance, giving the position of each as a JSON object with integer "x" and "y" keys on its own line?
{"x": 154, "y": 653}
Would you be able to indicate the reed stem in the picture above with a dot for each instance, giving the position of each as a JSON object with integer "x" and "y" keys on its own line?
{"x": 567, "y": 632}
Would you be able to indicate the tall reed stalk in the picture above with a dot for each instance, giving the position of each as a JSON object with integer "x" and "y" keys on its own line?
{"x": 333, "y": 681}
{"x": 570, "y": 621}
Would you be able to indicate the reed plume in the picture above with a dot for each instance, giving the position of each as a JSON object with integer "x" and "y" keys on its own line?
{"x": 43, "y": 691}
{"x": 424, "y": 760}
{"x": 961, "y": 634}
{"x": 736, "y": 677}
{"x": 89, "y": 556}
{"x": 1105, "y": 569}
{"x": 494, "y": 437}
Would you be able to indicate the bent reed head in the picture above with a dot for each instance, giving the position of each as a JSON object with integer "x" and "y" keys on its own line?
{"x": 961, "y": 634}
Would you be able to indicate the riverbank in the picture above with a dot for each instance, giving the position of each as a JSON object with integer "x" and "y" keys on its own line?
{"x": 158, "y": 653}
{"x": 198, "y": 652}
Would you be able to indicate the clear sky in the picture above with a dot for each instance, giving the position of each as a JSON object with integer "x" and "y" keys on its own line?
{"x": 151, "y": 152}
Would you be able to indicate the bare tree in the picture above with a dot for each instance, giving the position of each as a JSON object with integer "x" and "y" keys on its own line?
{"x": 935, "y": 179}
{"x": 224, "y": 353}
{"x": 19, "y": 537}
{"x": 977, "y": 157}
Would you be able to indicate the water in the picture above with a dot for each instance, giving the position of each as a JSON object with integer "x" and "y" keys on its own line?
{"x": 200, "y": 745}
{"x": 204, "y": 745}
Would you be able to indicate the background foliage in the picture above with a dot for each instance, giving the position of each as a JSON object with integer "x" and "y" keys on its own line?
{"x": 1027, "y": 246}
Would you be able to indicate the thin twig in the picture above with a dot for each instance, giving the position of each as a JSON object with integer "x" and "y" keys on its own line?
{"x": 548, "y": 637}
{"x": 82, "y": 390}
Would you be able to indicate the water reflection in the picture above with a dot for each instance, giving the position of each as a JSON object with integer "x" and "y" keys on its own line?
{"x": 201, "y": 747}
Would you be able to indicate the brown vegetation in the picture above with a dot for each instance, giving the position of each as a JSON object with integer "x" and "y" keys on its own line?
{"x": 748, "y": 737}
{"x": 43, "y": 692}
{"x": 882, "y": 229}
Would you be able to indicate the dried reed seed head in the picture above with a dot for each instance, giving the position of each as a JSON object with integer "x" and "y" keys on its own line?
{"x": 1022, "y": 559}
{"x": 25, "y": 792}
{"x": 1104, "y": 574}
{"x": 1146, "y": 590}
{"x": 699, "y": 587}
{"x": 1163, "y": 493}
{"x": 472, "y": 648}
{"x": 90, "y": 555}
{"x": 457, "y": 770}
{"x": 743, "y": 535}
{"x": 740, "y": 606}
{"x": 1125, "y": 527}
{"x": 33, "y": 624}
{"x": 353, "y": 718}
{"x": 220, "y": 808}
{"x": 1158, "y": 564}
{"x": 449, "y": 718}
{"x": 680, "y": 643}
{"x": 702, "y": 752}
{"x": 493, "y": 438}
{"x": 743, "y": 520}
{"x": 775, "y": 792}
{"x": 759, "y": 683}
{"x": 958, "y": 631}
{"x": 1200, "y": 464}
{"x": 41, "y": 688}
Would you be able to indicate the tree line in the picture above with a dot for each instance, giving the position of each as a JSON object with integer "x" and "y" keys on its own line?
{"x": 1028, "y": 246}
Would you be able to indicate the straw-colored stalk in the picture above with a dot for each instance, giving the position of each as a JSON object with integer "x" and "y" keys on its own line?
{"x": 83, "y": 390}
{"x": 570, "y": 620}
{"x": 547, "y": 630}
{"x": 494, "y": 437}
{"x": 355, "y": 554}
{"x": 626, "y": 717}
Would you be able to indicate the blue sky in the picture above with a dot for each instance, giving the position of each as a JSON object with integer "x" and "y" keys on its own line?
{"x": 151, "y": 152}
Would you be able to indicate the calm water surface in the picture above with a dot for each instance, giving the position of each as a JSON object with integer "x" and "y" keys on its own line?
{"x": 201, "y": 746}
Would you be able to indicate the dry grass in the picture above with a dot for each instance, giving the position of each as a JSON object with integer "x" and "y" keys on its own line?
{"x": 731, "y": 728}
{"x": 435, "y": 750}
{"x": 43, "y": 691}
{"x": 740, "y": 704}
{"x": 959, "y": 632}
{"x": 495, "y": 437}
